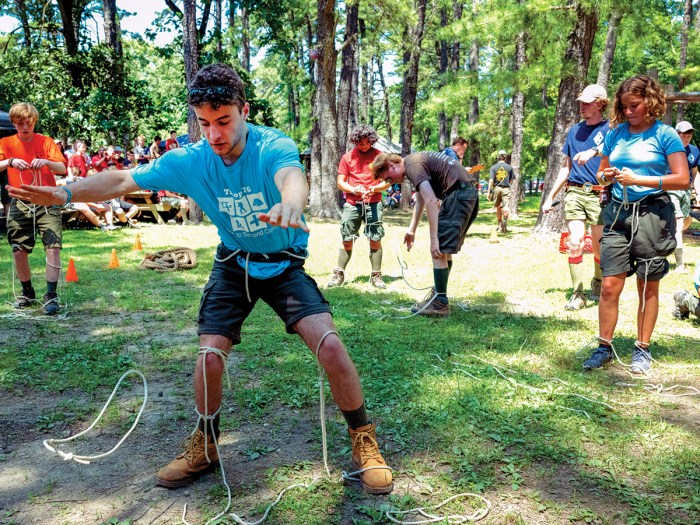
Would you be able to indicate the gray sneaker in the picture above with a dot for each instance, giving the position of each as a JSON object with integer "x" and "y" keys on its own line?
{"x": 24, "y": 301}
{"x": 337, "y": 279}
{"x": 50, "y": 304}
{"x": 596, "y": 286}
{"x": 641, "y": 361}
{"x": 576, "y": 302}
{"x": 602, "y": 356}
{"x": 377, "y": 281}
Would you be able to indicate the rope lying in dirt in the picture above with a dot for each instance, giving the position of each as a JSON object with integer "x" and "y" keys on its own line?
{"x": 170, "y": 260}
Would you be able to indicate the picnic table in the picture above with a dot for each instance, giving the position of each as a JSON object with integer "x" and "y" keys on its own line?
{"x": 146, "y": 201}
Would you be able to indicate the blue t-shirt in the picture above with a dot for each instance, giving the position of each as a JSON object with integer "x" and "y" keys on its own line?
{"x": 451, "y": 153}
{"x": 233, "y": 196}
{"x": 581, "y": 137}
{"x": 646, "y": 154}
{"x": 692, "y": 152}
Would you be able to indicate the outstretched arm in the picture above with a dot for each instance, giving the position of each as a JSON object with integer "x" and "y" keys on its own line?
{"x": 99, "y": 187}
{"x": 558, "y": 185}
{"x": 295, "y": 191}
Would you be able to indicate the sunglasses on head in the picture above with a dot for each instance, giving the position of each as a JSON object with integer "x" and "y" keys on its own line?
{"x": 223, "y": 91}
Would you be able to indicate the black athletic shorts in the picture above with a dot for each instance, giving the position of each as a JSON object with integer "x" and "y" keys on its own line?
{"x": 652, "y": 232}
{"x": 224, "y": 306}
{"x": 459, "y": 208}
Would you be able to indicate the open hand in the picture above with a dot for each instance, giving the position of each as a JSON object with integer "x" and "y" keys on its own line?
{"x": 41, "y": 195}
{"x": 284, "y": 216}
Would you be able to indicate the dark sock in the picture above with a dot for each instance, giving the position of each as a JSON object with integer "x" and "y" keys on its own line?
{"x": 27, "y": 289}
{"x": 51, "y": 287}
{"x": 449, "y": 266}
{"x": 208, "y": 424}
{"x": 375, "y": 257}
{"x": 343, "y": 258}
{"x": 441, "y": 276}
{"x": 356, "y": 418}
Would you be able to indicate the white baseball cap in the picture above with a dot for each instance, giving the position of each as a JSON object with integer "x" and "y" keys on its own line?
{"x": 502, "y": 152}
{"x": 684, "y": 126}
{"x": 592, "y": 93}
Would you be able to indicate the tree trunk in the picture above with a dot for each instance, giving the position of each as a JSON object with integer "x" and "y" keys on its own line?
{"x": 685, "y": 29}
{"x": 410, "y": 91}
{"x": 474, "y": 149}
{"x": 245, "y": 39}
{"x": 517, "y": 118}
{"x": 576, "y": 61}
{"x": 71, "y": 15}
{"x": 385, "y": 93}
{"x": 609, "y": 51}
{"x": 24, "y": 20}
{"x": 347, "y": 72}
{"x": 217, "y": 27}
{"x": 323, "y": 200}
{"x": 457, "y": 8}
{"x": 442, "y": 80}
{"x": 190, "y": 51}
{"x": 367, "y": 84}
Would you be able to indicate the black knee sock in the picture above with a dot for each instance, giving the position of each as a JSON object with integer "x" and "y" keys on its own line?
{"x": 27, "y": 289}
{"x": 51, "y": 287}
{"x": 441, "y": 276}
{"x": 356, "y": 418}
{"x": 449, "y": 266}
{"x": 216, "y": 421}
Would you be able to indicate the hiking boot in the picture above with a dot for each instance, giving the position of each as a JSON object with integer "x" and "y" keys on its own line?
{"x": 50, "y": 304}
{"x": 366, "y": 455}
{"x": 602, "y": 356}
{"x": 641, "y": 360}
{"x": 420, "y": 304}
{"x": 436, "y": 309}
{"x": 337, "y": 279}
{"x": 576, "y": 302}
{"x": 376, "y": 280}
{"x": 25, "y": 301}
{"x": 504, "y": 226}
{"x": 189, "y": 465}
{"x": 681, "y": 309}
{"x": 596, "y": 286}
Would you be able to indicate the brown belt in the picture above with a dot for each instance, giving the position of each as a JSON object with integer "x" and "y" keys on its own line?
{"x": 587, "y": 186}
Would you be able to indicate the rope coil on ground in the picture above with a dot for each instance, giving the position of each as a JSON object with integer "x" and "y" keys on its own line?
{"x": 170, "y": 260}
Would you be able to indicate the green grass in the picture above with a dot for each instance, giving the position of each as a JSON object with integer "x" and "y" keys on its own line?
{"x": 447, "y": 420}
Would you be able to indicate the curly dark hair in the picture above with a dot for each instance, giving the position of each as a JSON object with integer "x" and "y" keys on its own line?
{"x": 363, "y": 131}
{"x": 644, "y": 87}
{"x": 217, "y": 85}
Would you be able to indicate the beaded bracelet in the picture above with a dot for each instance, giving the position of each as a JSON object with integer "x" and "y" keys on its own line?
{"x": 69, "y": 196}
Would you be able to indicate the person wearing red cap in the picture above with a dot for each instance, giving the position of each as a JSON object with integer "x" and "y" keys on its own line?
{"x": 582, "y": 203}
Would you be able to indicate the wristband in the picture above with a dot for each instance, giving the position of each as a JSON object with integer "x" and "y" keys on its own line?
{"x": 69, "y": 196}
{"x": 660, "y": 183}
{"x": 602, "y": 177}
{"x": 9, "y": 162}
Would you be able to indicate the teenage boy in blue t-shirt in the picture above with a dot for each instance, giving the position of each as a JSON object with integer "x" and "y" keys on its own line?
{"x": 582, "y": 202}
{"x": 249, "y": 182}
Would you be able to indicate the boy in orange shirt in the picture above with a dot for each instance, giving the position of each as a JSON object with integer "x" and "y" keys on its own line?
{"x": 32, "y": 158}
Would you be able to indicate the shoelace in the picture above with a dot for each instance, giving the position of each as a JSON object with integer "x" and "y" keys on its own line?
{"x": 368, "y": 446}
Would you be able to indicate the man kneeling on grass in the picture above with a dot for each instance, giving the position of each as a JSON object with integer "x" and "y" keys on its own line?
{"x": 249, "y": 182}
{"x": 436, "y": 177}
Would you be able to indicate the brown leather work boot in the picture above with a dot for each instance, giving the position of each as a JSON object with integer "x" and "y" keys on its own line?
{"x": 365, "y": 454}
{"x": 189, "y": 465}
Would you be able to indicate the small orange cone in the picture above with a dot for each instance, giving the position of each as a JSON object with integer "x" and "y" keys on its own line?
{"x": 113, "y": 261}
{"x": 137, "y": 243}
{"x": 71, "y": 274}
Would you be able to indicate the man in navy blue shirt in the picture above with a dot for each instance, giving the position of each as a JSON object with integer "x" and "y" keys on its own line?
{"x": 681, "y": 198}
{"x": 582, "y": 202}
{"x": 456, "y": 151}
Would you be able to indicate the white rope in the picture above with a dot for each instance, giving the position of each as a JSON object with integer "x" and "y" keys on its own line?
{"x": 404, "y": 266}
{"x": 481, "y": 513}
{"x": 85, "y": 460}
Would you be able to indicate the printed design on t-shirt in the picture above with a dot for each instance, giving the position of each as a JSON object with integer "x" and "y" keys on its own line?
{"x": 599, "y": 138}
{"x": 243, "y": 208}
{"x": 691, "y": 158}
{"x": 501, "y": 174}
{"x": 440, "y": 155}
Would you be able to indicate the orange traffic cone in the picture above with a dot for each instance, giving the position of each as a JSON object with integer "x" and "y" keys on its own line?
{"x": 71, "y": 274}
{"x": 137, "y": 243}
{"x": 113, "y": 261}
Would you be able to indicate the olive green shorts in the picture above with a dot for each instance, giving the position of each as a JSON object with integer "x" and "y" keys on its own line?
{"x": 681, "y": 202}
{"x": 580, "y": 205}
{"x": 500, "y": 196}
{"x": 25, "y": 222}
{"x": 355, "y": 214}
